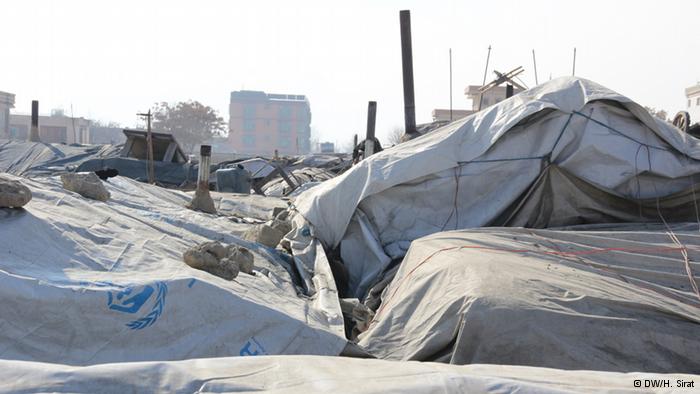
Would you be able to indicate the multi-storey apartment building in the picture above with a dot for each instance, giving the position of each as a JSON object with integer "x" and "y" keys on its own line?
{"x": 260, "y": 123}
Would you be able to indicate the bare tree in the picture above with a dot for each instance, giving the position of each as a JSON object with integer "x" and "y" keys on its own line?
{"x": 314, "y": 141}
{"x": 659, "y": 113}
{"x": 346, "y": 147}
{"x": 395, "y": 135}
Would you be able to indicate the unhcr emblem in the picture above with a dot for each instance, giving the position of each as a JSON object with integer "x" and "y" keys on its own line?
{"x": 131, "y": 300}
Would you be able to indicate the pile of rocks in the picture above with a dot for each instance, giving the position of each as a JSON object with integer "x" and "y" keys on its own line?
{"x": 223, "y": 261}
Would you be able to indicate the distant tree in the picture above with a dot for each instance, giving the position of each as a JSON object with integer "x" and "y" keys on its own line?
{"x": 314, "y": 141}
{"x": 191, "y": 122}
{"x": 395, "y": 135}
{"x": 346, "y": 147}
{"x": 659, "y": 113}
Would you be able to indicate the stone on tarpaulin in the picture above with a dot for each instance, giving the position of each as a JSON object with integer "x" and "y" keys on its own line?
{"x": 282, "y": 226}
{"x": 223, "y": 261}
{"x": 87, "y": 184}
{"x": 264, "y": 234}
{"x": 242, "y": 256}
{"x": 13, "y": 194}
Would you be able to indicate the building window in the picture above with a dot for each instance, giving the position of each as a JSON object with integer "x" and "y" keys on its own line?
{"x": 688, "y": 103}
{"x": 284, "y": 126}
{"x": 697, "y": 101}
{"x": 249, "y": 125}
{"x": 284, "y": 142}
{"x": 285, "y": 112}
{"x": 249, "y": 141}
{"x": 249, "y": 112}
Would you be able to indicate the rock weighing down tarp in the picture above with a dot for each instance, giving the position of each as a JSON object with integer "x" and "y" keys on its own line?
{"x": 507, "y": 165}
{"x": 85, "y": 282}
{"x": 610, "y": 298}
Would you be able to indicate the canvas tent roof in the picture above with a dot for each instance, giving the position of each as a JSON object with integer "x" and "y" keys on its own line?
{"x": 477, "y": 171}
{"x": 32, "y": 159}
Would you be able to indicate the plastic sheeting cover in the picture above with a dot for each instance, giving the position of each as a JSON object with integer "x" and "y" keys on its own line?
{"x": 310, "y": 374}
{"x": 468, "y": 173}
{"x": 85, "y": 282}
{"x": 613, "y": 299}
{"x": 38, "y": 158}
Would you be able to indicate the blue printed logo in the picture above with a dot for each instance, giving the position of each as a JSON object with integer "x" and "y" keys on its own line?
{"x": 252, "y": 348}
{"x": 131, "y": 299}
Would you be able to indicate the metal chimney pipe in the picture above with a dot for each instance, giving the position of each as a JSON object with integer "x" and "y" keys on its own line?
{"x": 509, "y": 91}
{"x": 204, "y": 163}
{"x": 371, "y": 122}
{"x": 407, "y": 64}
{"x": 202, "y": 200}
{"x": 34, "y": 133}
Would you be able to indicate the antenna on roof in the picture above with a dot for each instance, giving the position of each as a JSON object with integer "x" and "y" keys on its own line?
{"x": 534, "y": 63}
{"x": 450, "y": 84}
{"x": 488, "y": 57}
{"x": 573, "y": 72}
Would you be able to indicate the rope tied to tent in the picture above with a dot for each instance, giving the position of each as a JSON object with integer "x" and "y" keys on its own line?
{"x": 560, "y": 253}
{"x": 672, "y": 235}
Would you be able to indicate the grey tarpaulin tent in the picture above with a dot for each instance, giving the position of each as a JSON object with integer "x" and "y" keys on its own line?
{"x": 603, "y": 297}
{"x": 497, "y": 167}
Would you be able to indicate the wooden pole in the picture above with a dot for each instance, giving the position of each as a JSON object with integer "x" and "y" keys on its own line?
{"x": 150, "y": 171}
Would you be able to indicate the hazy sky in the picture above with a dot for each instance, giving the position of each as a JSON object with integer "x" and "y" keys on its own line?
{"x": 110, "y": 60}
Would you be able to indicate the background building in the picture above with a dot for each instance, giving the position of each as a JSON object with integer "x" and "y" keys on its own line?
{"x": 491, "y": 97}
{"x": 444, "y": 114}
{"x": 7, "y": 101}
{"x": 56, "y": 128}
{"x": 106, "y": 135}
{"x": 693, "y": 95}
{"x": 327, "y": 147}
{"x": 260, "y": 123}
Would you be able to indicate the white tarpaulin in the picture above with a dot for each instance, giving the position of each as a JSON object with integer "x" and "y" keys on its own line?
{"x": 610, "y": 299}
{"x": 317, "y": 374}
{"x": 85, "y": 282}
{"x": 473, "y": 171}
